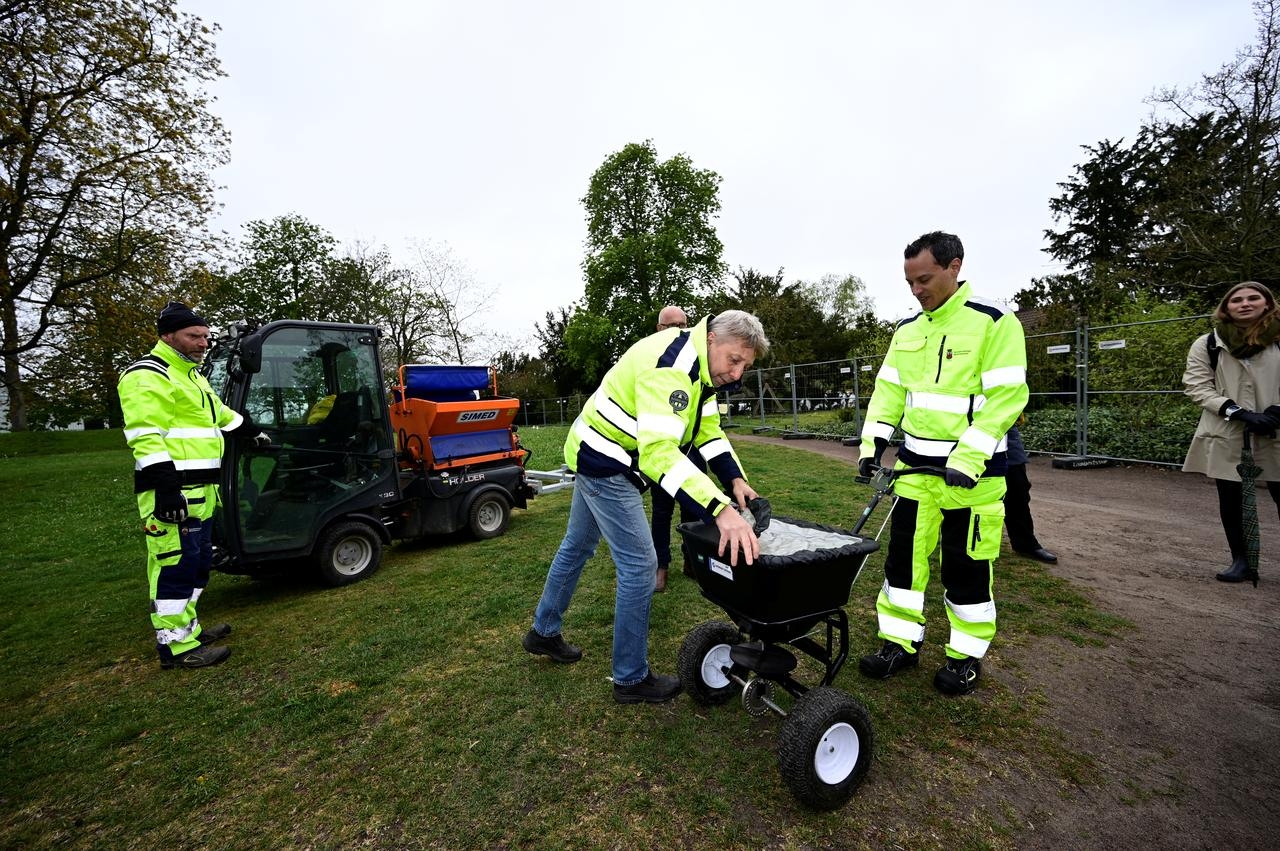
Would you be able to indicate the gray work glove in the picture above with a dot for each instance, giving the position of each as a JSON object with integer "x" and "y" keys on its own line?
{"x": 171, "y": 505}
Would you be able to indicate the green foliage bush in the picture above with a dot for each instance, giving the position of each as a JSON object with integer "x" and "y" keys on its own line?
{"x": 1155, "y": 429}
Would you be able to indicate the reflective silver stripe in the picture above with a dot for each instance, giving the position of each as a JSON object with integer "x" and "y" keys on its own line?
{"x": 967, "y": 644}
{"x": 613, "y": 412}
{"x": 674, "y": 479}
{"x": 601, "y": 444}
{"x": 903, "y": 598}
{"x": 973, "y": 612}
{"x": 198, "y": 464}
{"x": 942, "y": 402}
{"x": 715, "y": 448}
{"x": 878, "y": 429}
{"x": 153, "y": 458}
{"x": 237, "y": 420}
{"x": 889, "y": 374}
{"x": 1004, "y": 375}
{"x": 171, "y": 607}
{"x": 190, "y": 433}
{"x": 711, "y": 408}
{"x": 687, "y": 358}
{"x": 936, "y": 448}
{"x": 980, "y": 440}
{"x": 899, "y": 628}
{"x": 131, "y": 434}
{"x": 664, "y": 424}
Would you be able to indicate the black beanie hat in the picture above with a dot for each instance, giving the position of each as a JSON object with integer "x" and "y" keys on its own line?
{"x": 175, "y": 317}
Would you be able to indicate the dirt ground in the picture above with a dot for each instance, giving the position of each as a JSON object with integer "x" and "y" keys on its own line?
{"x": 1182, "y": 715}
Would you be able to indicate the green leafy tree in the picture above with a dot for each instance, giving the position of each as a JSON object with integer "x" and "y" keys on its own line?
{"x": 651, "y": 241}
{"x": 75, "y": 380}
{"x": 523, "y": 376}
{"x": 106, "y": 147}
{"x": 566, "y": 377}
{"x": 287, "y": 269}
{"x": 1193, "y": 204}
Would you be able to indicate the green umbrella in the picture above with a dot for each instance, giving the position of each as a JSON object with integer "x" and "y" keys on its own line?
{"x": 1249, "y": 471}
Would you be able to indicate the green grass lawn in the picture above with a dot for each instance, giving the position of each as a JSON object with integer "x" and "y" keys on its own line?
{"x": 401, "y": 712}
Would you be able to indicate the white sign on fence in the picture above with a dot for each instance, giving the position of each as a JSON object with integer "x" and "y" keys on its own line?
{"x": 866, "y": 367}
{"x": 1059, "y": 350}
{"x": 1111, "y": 344}
{"x": 844, "y": 369}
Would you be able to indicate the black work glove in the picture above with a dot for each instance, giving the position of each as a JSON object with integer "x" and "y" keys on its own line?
{"x": 865, "y": 464}
{"x": 762, "y": 511}
{"x": 957, "y": 479}
{"x": 1255, "y": 422}
{"x": 1273, "y": 411}
{"x": 171, "y": 505}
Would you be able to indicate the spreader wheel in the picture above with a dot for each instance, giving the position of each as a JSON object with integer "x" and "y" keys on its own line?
{"x": 703, "y": 657}
{"x": 824, "y": 749}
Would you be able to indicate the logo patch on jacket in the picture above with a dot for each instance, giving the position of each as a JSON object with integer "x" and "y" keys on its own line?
{"x": 679, "y": 400}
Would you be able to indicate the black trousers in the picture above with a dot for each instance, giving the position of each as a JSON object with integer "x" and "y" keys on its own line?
{"x": 1017, "y": 510}
{"x": 1229, "y": 499}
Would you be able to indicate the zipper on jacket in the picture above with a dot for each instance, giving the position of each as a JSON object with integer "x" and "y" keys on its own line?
{"x": 941, "y": 346}
{"x": 977, "y": 532}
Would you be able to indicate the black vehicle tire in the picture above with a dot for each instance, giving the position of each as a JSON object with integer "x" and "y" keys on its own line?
{"x": 489, "y": 515}
{"x": 703, "y": 654}
{"x": 348, "y": 552}
{"x": 824, "y": 749}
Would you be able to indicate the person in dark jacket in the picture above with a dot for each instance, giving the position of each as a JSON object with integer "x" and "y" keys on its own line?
{"x": 1017, "y": 504}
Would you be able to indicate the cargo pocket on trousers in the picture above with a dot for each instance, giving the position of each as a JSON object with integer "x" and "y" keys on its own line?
{"x": 985, "y": 525}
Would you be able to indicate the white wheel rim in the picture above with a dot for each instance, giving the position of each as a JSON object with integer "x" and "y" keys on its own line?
{"x": 351, "y": 556}
{"x": 837, "y": 753}
{"x": 717, "y": 657}
{"x": 489, "y": 517}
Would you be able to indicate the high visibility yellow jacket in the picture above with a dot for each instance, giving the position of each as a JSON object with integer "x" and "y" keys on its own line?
{"x": 173, "y": 421}
{"x": 955, "y": 380}
{"x": 654, "y": 404}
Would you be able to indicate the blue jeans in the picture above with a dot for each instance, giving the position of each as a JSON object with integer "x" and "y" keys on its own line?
{"x": 610, "y": 507}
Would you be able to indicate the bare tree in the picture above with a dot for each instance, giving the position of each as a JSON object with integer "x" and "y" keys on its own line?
{"x": 451, "y": 286}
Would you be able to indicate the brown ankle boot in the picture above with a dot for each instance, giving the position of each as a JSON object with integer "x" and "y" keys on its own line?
{"x": 661, "y": 583}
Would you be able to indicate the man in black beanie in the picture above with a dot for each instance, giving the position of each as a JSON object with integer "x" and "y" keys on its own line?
{"x": 174, "y": 423}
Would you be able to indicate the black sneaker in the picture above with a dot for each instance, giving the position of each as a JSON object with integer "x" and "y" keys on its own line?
{"x": 889, "y": 660}
{"x": 217, "y": 632}
{"x": 204, "y": 656}
{"x": 958, "y": 676}
{"x": 556, "y": 647}
{"x": 654, "y": 688}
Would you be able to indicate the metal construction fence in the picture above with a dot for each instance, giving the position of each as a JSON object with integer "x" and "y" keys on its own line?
{"x": 1099, "y": 394}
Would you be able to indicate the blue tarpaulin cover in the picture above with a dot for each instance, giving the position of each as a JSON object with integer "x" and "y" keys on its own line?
{"x": 445, "y": 383}
{"x": 448, "y": 446}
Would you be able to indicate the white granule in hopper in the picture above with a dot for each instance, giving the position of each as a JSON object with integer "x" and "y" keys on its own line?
{"x": 784, "y": 539}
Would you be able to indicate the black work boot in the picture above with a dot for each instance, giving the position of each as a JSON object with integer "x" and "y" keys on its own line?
{"x": 654, "y": 688}
{"x": 204, "y": 656}
{"x": 556, "y": 647}
{"x": 217, "y": 632}
{"x": 1239, "y": 571}
{"x": 889, "y": 660}
{"x": 958, "y": 676}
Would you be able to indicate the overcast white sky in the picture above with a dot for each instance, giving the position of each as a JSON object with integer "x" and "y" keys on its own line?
{"x": 841, "y": 130}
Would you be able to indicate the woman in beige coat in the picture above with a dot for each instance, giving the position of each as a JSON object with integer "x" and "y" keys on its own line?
{"x": 1240, "y": 393}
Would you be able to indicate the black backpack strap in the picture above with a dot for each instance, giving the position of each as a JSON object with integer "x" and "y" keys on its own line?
{"x": 1211, "y": 344}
